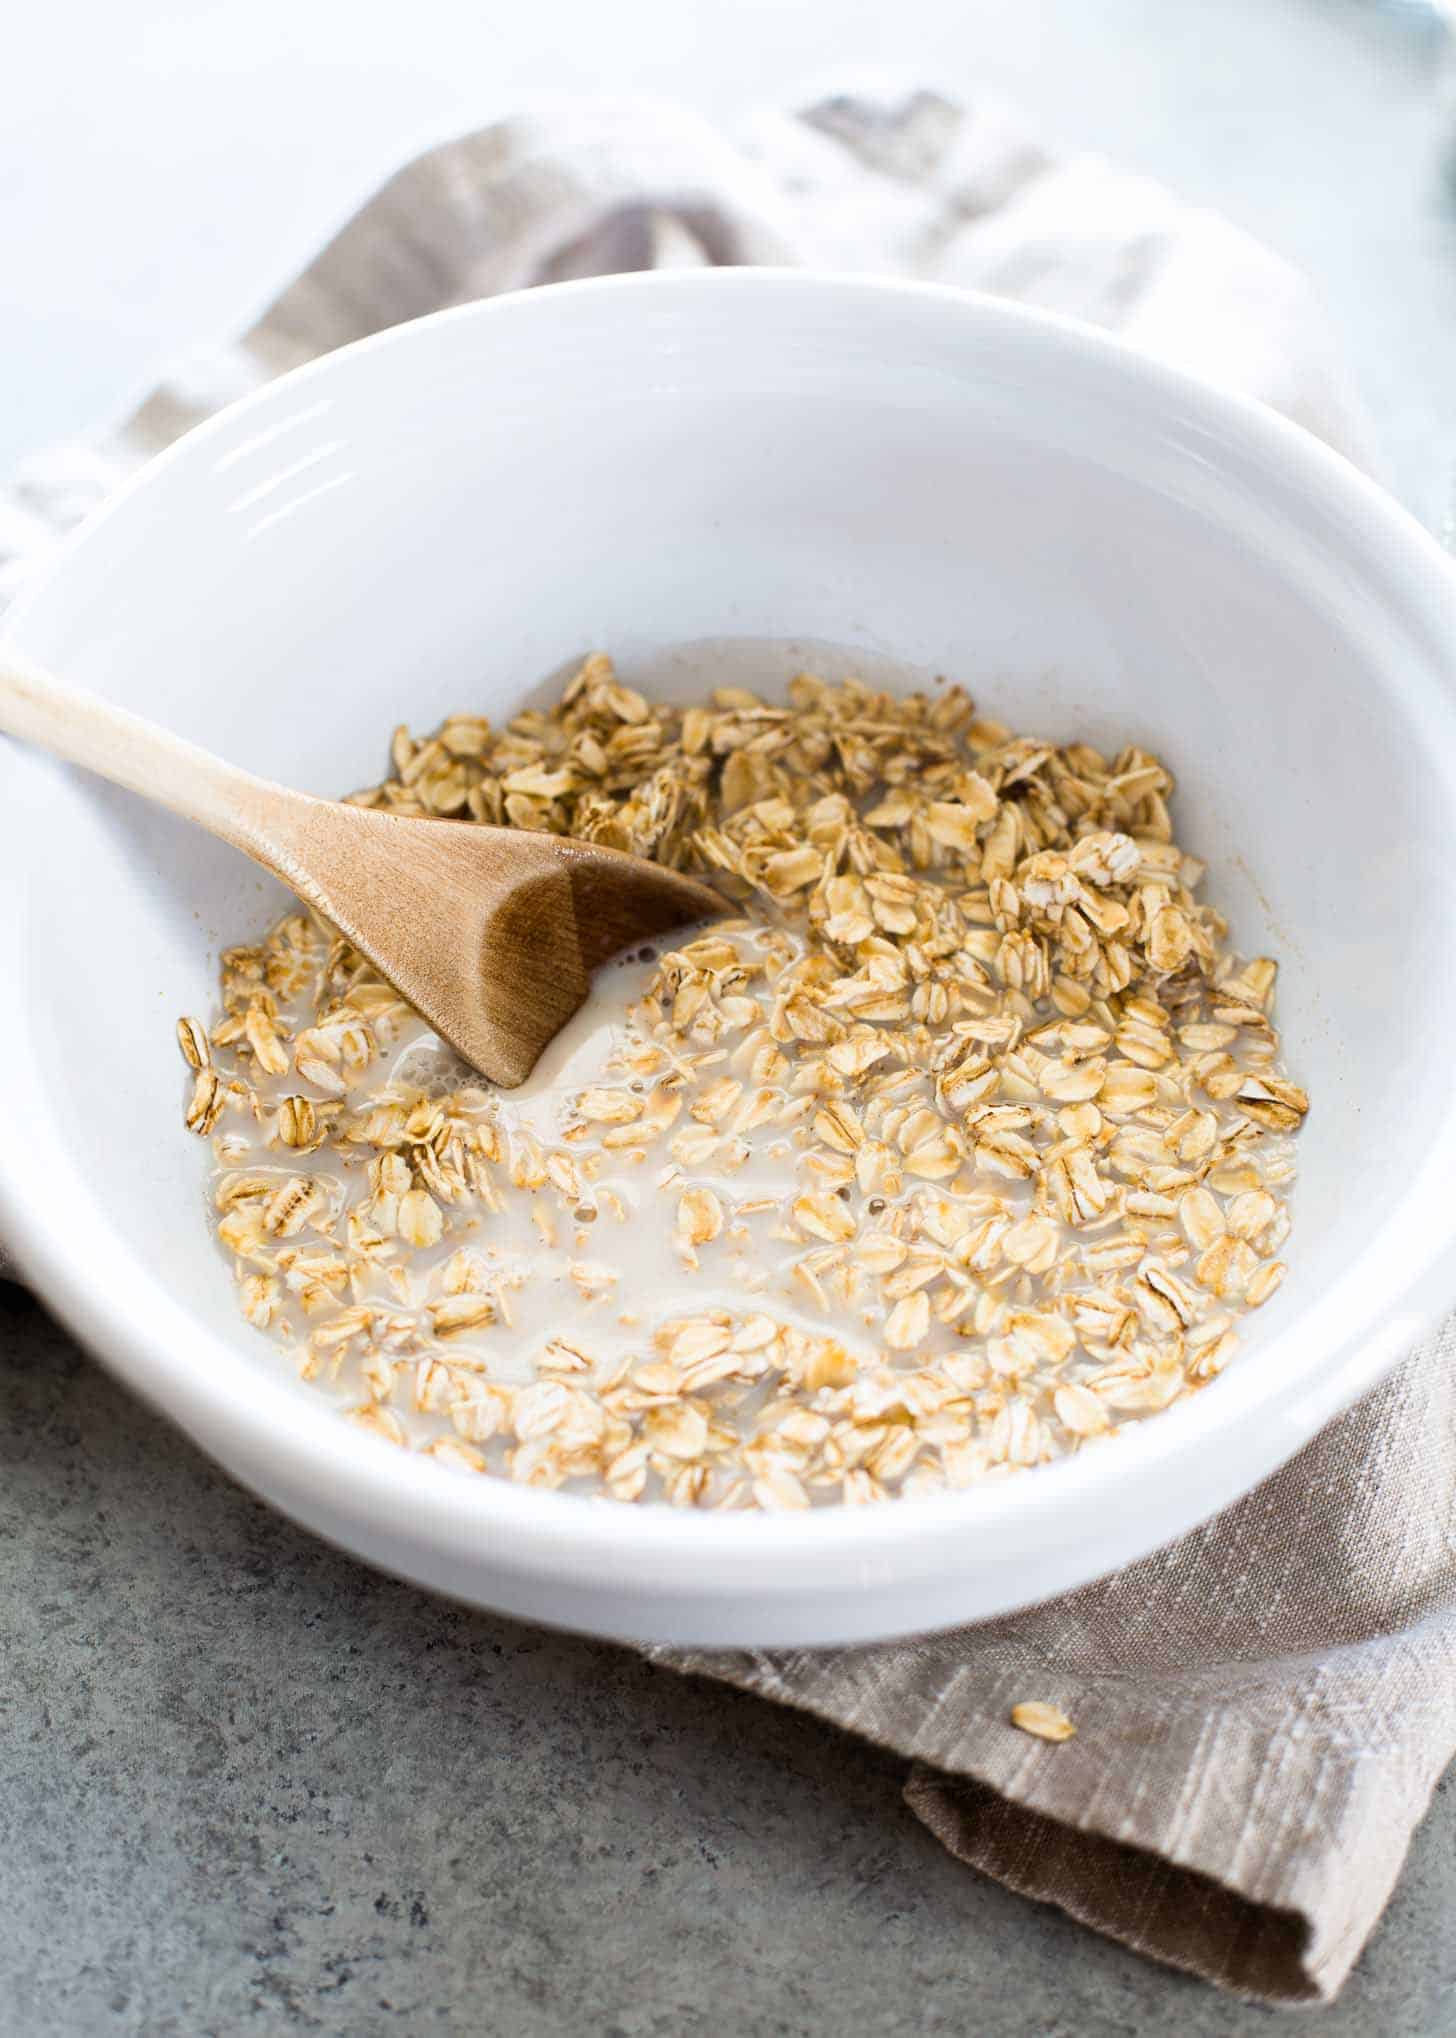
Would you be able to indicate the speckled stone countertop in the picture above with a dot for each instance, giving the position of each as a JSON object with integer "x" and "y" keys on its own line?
{"x": 246, "y": 1785}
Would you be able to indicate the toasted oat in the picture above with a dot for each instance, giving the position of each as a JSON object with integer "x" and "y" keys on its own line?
{"x": 699, "y": 1216}
{"x": 194, "y": 1043}
{"x": 209, "y": 1095}
{"x": 963, "y": 1147}
{"x": 1046, "y": 1722}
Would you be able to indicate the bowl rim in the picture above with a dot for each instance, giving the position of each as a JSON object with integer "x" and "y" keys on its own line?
{"x": 201, "y": 1379}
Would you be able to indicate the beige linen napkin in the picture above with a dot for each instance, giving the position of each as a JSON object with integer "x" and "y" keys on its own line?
{"x": 1262, "y": 1710}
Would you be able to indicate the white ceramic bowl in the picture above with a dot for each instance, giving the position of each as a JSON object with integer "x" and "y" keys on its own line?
{"x": 439, "y": 517}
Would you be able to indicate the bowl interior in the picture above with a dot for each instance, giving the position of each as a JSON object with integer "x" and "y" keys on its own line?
{"x": 713, "y": 485}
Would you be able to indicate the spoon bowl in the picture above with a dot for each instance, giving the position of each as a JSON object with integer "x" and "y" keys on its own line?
{"x": 492, "y": 934}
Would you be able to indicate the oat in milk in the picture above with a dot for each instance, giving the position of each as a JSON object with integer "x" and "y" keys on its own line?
{"x": 966, "y": 1144}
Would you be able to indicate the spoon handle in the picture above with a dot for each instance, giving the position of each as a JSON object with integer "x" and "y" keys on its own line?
{"x": 84, "y": 729}
{"x": 490, "y": 933}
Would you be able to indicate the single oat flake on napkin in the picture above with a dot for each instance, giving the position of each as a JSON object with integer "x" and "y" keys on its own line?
{"x": 1263, "y": 1710}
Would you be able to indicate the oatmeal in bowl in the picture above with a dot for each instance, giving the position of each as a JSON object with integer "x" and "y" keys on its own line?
{"x": 1043, "y": 1212}
{"x": 963, "y": 1145}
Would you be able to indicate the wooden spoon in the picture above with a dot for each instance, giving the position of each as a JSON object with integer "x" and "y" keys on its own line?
{"x": 491, "y": 933}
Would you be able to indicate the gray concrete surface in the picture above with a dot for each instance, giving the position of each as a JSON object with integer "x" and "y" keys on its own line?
{"x": 246, "y": 1785}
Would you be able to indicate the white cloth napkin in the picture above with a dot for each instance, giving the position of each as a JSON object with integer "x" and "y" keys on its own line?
{"x": 1242, "y": 1791}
